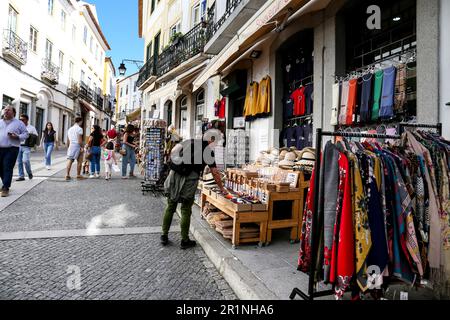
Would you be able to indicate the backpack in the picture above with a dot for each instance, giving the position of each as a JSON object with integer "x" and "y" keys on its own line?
{"x": 31, "y": 141}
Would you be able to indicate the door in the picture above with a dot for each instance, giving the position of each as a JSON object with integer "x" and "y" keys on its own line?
{"x": 183, "y": 118}
{"x": 39, "y": 121}
{"x": 156, "y": 43}
{"x": 63, "y": 129}
{"x": 12, "y": 19}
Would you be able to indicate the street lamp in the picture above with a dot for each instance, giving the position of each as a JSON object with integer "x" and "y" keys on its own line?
{"x": 123, "y": 69}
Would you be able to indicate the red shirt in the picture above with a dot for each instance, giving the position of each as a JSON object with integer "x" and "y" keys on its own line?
{"x": 112, "y": 134}
{"x": 299, "y": 101}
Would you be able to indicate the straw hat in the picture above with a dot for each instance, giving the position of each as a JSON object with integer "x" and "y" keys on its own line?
{"x": 307, "y": 158}
{"x": 290, "y": 156}
{"x": 286, "y": 164}
{"x": 283, "y": 154}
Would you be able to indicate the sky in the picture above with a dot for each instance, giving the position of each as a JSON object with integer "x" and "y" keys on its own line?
{"x": 119, "y": 22}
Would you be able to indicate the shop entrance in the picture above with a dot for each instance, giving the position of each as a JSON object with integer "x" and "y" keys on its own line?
{"x": 295, "y": 58}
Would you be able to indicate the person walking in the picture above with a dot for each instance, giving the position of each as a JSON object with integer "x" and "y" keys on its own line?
{"x": 23, "y": 158}
{"x": 109, "y": 157}
{"x": 75, "y": 148}
{"x": 181, "y": 184}
{"x": 129, "y": 147}
{"x": 12, "y": 131}
{"x": 48, "y": 141}
{"x": 95, "y": 143}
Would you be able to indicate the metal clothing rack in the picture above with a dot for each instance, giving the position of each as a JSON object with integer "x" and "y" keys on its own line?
{"x": 312, "y": 271}
{"x": 402, "y": 126}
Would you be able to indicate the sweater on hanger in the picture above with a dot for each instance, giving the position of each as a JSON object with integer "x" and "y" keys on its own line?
{"x": 378, "y": 86}
{"x": 251, "y": 100}
{"x": 263, "y": 106}
{"x": 351, "y": 104}
{"x": 387, "y": 98}
{"x": 366, "y": 96}
{"x": 344, "y": 102}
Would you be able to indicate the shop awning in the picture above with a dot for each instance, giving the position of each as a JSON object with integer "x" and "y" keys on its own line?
{"x": 135, "y": 115}
{"x": 257, "y": 31}
{"x": 186, "y": 78}
{"x": 86, "y": 106}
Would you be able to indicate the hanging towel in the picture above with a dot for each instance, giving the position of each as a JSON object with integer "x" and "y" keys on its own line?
{"x": 335, "y": 105}
{"x": 344, "y": 101}
{"x": 387, "y": 98}
{"x": 377, "y": 88}
{"x": 351, "y": 105}
{"x": 366, "y": 96}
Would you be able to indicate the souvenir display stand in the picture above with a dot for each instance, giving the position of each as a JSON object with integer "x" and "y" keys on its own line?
{"x": 153, "y": 156}
{"x": 254, "y": 194}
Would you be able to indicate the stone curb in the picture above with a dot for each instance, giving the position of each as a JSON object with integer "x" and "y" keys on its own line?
{"x": 243, "y": 282}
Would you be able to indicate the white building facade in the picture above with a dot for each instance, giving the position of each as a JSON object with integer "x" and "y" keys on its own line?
{"x": 52, "y": 62}
{"x": 128, "y": 98}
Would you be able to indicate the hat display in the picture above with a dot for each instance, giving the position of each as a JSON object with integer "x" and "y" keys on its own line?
{"x": 290, "y": 156}
{"x": 286, "y": 164}
{"x": 307, "y": 158}
{"x": 283, "y": 154}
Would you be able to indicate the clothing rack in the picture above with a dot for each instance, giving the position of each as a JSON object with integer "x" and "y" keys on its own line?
{"x": 401, "y": 127}
{"x": 306, "y": 117}
{"x": 408, "y": 54}
{"x": 312, "y": 271}
{"x": 301, "y": 81}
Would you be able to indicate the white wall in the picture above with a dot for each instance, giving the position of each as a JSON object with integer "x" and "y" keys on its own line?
{"x": 445, "y": 67}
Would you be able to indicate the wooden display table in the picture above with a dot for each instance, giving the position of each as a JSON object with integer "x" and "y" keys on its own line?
{"x": 259, "y": 217}
{"x": 297, "y": 196}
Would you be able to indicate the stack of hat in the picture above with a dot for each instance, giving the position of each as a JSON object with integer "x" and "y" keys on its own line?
{"x": 289, "y": 161}
{"x": 307, "y": 159}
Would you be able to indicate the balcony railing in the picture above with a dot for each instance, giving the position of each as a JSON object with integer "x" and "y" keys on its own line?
{"x": 191, "y": 44}
{"x": 14, "y": 47}
{"x": 50, "y": 72}
{"x": 146, "y": 72}
{"x": 214, "y": 26}
{"x": 85, "y": 92}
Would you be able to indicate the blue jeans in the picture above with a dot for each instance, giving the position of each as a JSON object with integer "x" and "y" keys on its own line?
{"x": 48, "y": 149}
{"x": 129, "y": 158}
{"x": 95, "y": 160}
{"x": 8, "y": 157}
{"x": 24, "y": 159}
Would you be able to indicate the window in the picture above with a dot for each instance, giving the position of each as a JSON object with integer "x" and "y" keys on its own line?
{"x": 63, "y": 20}
{"x": 153, "y": 6}
{"x": 200, "y": 105}
{"x": 198, "y": 12}
{"x": 149, "y": 52}
{"x": 74, "y": 33}
{"x": 175, "y": 29}
{"x": 50, "y": 7}
{"x": 61, "y": 61}
{"x": 23, "y": 108}
{"x": 12, "y": 19}
{"x": 85, "y": 35}
{"x": 121, "y": 92}
{"x": 48, "y": 50}
{"x": 91, "y": 43}
{"x": 135, "y": 86}
{"x": 82, "y": 76}
{"x": 70, "y": 70}
{"x": 96, "y": 52}
{"x": 6, "y": 101}
{"x": 33, "y": 39}
{"x": 127, "y": 90}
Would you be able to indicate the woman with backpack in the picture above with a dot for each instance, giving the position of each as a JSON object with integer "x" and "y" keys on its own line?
{"x": 48, "y": 141}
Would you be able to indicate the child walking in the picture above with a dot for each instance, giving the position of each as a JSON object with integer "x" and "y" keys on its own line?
{"x": 109, "y": 156}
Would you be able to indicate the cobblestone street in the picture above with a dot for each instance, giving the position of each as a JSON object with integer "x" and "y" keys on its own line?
{"x": 47, "y": 251}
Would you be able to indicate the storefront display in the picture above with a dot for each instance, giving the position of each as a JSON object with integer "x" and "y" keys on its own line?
{"x": 153, "y": 154}
{"x": 258, "y": 101}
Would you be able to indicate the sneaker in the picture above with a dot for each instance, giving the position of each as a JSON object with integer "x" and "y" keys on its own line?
{"x": 92, "y": 176}
{"x": 97, "y": 175}
{"x": 68, "y": 178}
{"x": 20, "y": 179}
{"x": 48, "y": 168}
{"x": 164, "y": 239}
{"x": 186, "y": 244}
{"x": 5, "y": 193}
{"x": 30, "y": 176}
{"x": 125, "y": 178}
{"x": 80, "y": 178}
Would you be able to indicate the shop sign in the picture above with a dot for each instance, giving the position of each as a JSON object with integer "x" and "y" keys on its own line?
{"x": 276, "y": 7}
{"x": 239, "y": 123}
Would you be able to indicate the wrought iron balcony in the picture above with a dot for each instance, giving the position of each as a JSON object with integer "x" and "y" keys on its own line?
{"x": 147, "y": 71}
{"x": 14, "y": 48}
{"x": 50, "y": 72}
{"x": 222, "y": 29}
{"x": 100, "y": 101}
{"x": 73, "y": 90}
{"x": 85, "y": 92}
{"x": 191, "y": 44}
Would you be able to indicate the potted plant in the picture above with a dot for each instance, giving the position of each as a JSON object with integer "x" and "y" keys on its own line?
{"x": 176, "y": 38}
